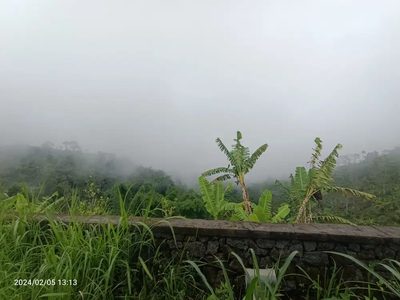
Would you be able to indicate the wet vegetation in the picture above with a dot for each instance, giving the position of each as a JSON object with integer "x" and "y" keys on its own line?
{"x": 115, "y": 262}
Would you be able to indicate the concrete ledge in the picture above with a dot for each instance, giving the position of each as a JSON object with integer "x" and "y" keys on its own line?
{"x": 216, "y": 228}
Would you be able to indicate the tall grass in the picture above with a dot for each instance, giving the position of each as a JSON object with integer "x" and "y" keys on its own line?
{"x": 78, "y": 261}
{"x": 333, "y": 287}
{"x": 387, "y": 287}
{"x": 256, "y": 289}
{"x": 106, "y": 261}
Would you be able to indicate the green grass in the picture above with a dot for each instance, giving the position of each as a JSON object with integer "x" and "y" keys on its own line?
{"x": 101, "y": 261}
{"x": 109, "y": 261}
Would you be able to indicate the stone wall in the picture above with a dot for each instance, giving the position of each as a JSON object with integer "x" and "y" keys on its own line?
{"x": 205, "y": 240}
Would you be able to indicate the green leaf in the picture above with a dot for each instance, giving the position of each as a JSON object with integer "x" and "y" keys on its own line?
{"x": 21, "y": 204}
{"x": 225, "y": 150}
{"x": 222, "y": 178}
{"x": 261, "y": 215}
{"x": 205, "y": 281}
{"x": 265, "y": 204}
{"x": 302, "y": 179}
{"x": 351, "y": 192}
{"x": 255, "y": 156}
{"x": 251, "y": 289}
{"x": 317, "y": 153}
{"x": 239, "y": 135}
{"x": 283, "y": 211}
{"x": 208, "y": 197}
{"x": 235, "y": 218}
{"x": 240, "y": 212}
{"x": 218, "y": 193}
{"x": 253, "y": 218}
{"x": 217, "y": 171}
{"x": 145, "y": 268}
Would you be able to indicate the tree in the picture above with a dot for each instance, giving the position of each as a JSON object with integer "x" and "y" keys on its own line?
{"x": 48, "y": 145}
{"x": 307, "y": 187}
{"x": 66, "y": 144}
{"x": 216, "y": 204}
{"x": 241, "y": 161}
{"x": 74, "y": 146}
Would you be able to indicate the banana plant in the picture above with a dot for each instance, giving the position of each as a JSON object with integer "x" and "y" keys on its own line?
{"x": 240, "y": 163}
{"x": 307, "y": 187}
{"x": 262, "y": 211}
{"x": 214, "y": 198}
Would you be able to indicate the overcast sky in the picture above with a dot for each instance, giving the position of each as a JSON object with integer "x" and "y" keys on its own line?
{"x": 160, "y": 80}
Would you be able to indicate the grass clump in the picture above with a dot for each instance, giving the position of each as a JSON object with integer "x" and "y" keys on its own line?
{"x": 53, "y": 260}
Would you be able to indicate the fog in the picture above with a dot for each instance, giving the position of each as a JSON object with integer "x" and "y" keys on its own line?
{"x": 159, "y": 81}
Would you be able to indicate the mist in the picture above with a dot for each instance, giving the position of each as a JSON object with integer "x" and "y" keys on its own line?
{"x": 159, "y": 81}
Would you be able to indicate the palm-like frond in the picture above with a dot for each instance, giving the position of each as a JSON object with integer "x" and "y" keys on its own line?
{"x": 208, "y": 196}
{"x": 222, "y": 178}
{"x": 327, "y": 167}
{"x": 255, "y": 156}
{"x": 240, "y": 213}
{"x": 299, "y": 186}
{"x": 317, "y": 153}
{"x": 225, "y": 150}
{"x": 265, "y": 203}
{"x": 259, "y": 215}
{"x": 319, "y": 180}
{"x": 301, "y": 180}
{"x": 351, "y": 192}
{"x": 283, "y": 211}
{"x": 219, "y": 192}
{"x": 217, "y": 171}
{"x": 214, "y": 198}
{"x": 229, "y": 206}
{"x": 333, "y": 219}
{"x": 241, "y": 162}
{"x": 238, "y": 136}
{"x": 239, "y": 156}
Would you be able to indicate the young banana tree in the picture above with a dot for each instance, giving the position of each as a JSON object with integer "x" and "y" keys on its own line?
{"x": 240, "y": 163}
{"x": 262, "y": 211}
{"x": 308, "y": 187}
{"x": 214, "y": 198}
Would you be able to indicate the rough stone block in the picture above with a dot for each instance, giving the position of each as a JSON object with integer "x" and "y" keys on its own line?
{"x": 265, "y": 244}
{"x": 383, "y": 252}
{"x": 309, "y": 246}
{"x": 196, "y": 249}
{"x": 366, "y": 255}
{"x": 237, "y": 243}
{"x": 173, "y": 245}
{"x": 282, "y": 244}
{"x": 317, "y": 258}
{"x": 212, "y": 247}
{"x": 297, "y": 247}
{"x": 324, "y": 246}
{"x": 354, "y": 247}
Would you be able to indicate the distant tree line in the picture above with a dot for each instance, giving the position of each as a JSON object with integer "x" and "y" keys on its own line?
{"x": 67, "y": 170}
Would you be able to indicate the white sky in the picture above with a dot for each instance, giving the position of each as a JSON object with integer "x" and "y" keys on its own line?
{"x": 160, "y": 80}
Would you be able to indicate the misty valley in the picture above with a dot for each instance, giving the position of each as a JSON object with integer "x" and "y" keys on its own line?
{"x": 359, "y": 189}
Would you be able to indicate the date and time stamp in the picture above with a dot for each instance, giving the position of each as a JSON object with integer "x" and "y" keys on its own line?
{"x": 42, "y": 282}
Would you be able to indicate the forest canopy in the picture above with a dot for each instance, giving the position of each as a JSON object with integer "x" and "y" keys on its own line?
{"x": 99, "y": 176}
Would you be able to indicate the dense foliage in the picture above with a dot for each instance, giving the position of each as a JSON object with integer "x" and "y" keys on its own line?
{"x": 118, "y": 263}
{"x": 98, "y": 178}
{"x": 240, "y": 163}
